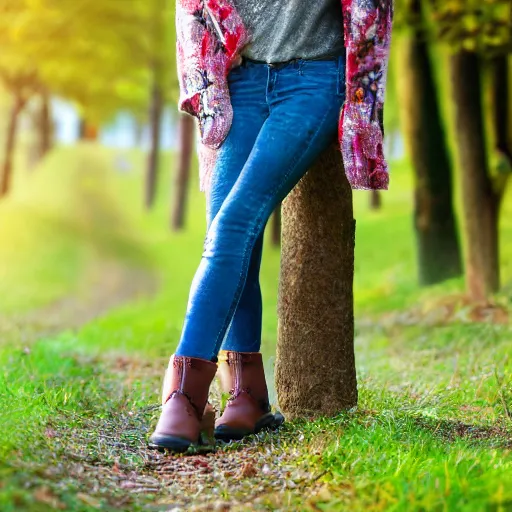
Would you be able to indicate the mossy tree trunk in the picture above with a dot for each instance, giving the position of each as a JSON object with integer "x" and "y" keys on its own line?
{"x": 181, "y": 184}
{"x": 480, "y": 201}
{"x": 438, "y": 248}
{"x": 315, "y": 367}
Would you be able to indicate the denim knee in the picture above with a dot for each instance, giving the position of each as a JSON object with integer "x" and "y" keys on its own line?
{"x": 230, "y": 236}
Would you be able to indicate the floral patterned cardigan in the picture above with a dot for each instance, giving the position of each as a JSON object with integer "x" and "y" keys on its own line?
{"x": 210, "y": 37}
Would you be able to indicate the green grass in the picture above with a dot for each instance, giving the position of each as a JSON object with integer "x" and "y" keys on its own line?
{"x": 432, "y": 431}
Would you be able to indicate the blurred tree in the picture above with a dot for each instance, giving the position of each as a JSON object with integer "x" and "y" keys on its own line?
{"x": 21, "y": 86}
{"x": 155, "y": 123}
{"x": 181, "y": 185}
{"x": 478, "y": 31}
{"x": 375, "y": 200}
{"x": 19, "y": 78}
{"x": 276, "y": 226}
{"x": 99, "y": 54}
{"x": 39, "y": 112}
{"x": 44, "y": 124}
{"x": 480, "y": 203}
{"x": 438, "y": 248}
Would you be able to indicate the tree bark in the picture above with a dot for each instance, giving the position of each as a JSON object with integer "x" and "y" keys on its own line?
{"x": 155, "y": 118}
{"x": 186, "y": 145}
{"x": 480, "y": 203}
{"x": 315, "y": 367}
{"x": 10, "y": 144}
{"x": 438, "y": 248}
{"x": 276, "y": 227}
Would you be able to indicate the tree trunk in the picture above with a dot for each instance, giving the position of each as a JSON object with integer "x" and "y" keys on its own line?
{"x": 501, "y": 124}
{"x": 501, "y": 103}
{"x": 375, "y": 200}
{"x": 155, "y": 118}
{"x": 438, "y": 248}
{"x": 480, "y": 203}
{"x": 315, "y": 367}
{"x": 186, "y": 145}
{"x": 276, "y": 227}
{"x": 10, "y": 144}
{"x": 82, "y": 128}
{"x": 45, "y": 125}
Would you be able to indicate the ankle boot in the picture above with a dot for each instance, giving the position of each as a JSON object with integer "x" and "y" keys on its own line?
{"x": 248, "y": 409}
{"x": 185, "y": 413}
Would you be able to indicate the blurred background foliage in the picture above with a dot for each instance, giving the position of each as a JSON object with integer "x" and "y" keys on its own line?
{"x": 101, "y": 55}
{"x": 101, "y": 229}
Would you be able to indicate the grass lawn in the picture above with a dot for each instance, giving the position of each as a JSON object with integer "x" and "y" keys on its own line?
{"x": 79, "y": 393}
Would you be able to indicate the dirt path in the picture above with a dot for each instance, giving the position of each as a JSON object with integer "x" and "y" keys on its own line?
{"x": 100, "y": 457}
{"x": 106, "y": 463}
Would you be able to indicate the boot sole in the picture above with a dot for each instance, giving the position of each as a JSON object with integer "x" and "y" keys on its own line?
{"x": 268, "y": 422}
{"x": 179, "y": 445}
{"x": 170, "y": 443}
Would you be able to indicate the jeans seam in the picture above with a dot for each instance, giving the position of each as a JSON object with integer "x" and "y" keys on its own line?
{"x": 252, "y": 238}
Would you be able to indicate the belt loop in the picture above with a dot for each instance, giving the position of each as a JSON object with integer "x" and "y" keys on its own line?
{"x": 300, "y": 64}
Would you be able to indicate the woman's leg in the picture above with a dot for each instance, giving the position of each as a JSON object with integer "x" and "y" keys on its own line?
{"x": 244, "y": 333}
{"x": 247, "y": 85}
{"x": 304, "y": 102}
{"x": 185, "y": 412}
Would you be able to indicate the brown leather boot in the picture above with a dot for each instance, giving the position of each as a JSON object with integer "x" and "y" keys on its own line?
{"x": 185, "y": 412}
{"x": 248, "y": 409}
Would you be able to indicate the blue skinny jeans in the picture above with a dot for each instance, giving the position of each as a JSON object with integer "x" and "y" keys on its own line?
{"x": 285, "y": 116}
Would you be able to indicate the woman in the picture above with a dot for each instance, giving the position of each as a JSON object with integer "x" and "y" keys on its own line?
{"x": 267, "y": 82}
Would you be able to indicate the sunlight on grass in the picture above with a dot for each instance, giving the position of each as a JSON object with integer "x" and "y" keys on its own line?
{"x": 432, "y": 431}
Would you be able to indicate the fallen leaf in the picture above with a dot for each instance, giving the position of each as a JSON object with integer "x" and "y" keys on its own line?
{"x": 248, "y": 470}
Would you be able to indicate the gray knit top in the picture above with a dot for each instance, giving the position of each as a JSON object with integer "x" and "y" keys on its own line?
{"x": 287, "y": 29}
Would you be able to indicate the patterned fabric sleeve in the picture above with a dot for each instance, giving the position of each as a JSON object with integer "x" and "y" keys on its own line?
{"x": 367, "y": 40}
{"x": 210, "y": 34}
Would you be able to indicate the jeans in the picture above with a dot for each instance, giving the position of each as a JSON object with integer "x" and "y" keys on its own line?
{"x": 285, "y": 116}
